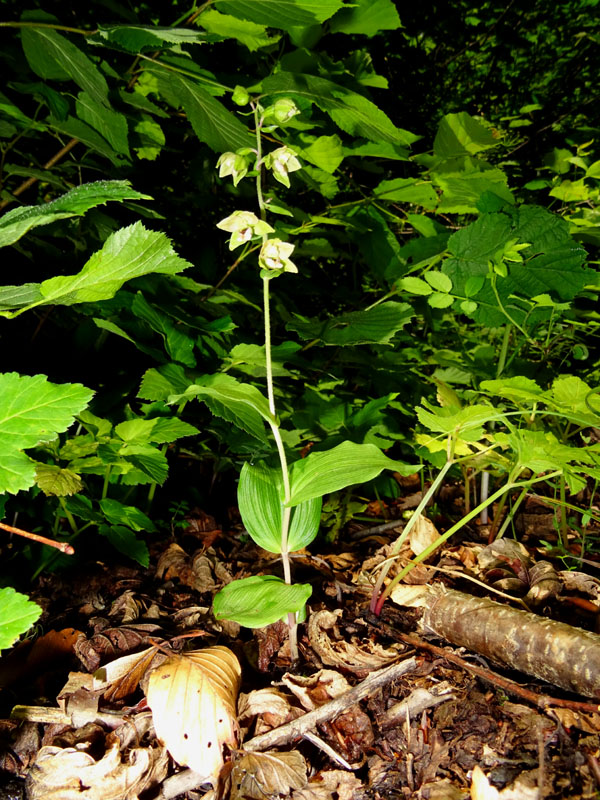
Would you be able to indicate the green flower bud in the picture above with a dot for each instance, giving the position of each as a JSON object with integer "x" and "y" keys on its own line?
{"x": 240, "y": 96}
{"x": 233, "y": 164}
{"x": 281, "y": 111}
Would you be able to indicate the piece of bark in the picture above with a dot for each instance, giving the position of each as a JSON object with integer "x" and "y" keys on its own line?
{"x": 552, "y": 651}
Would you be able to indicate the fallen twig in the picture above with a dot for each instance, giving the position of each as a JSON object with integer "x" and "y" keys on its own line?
{"x": 64, "y": 547}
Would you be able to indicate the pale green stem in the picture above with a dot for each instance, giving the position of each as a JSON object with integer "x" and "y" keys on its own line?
{"x": 512, "y": 513}
{"x": 509, "y": 486}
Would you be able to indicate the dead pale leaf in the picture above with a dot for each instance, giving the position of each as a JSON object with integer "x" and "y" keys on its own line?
{"x": 195, "y": 572}
{"x": 269, "y": 705}
{"x": 590, "y": 723}
{"x": 481, "y": 788}
{"x": 122, "y": 676}
{"x": 260, "y": 775}
{"x": 423, "y": 534}
{"x": 327, "y": 785}
{"x": 193, "y": 698}
{"x": 315, "y": 690}
{"x": 70, "y": 774}
{"x": 113, "y": 642}
{"x": 326, "y": 641}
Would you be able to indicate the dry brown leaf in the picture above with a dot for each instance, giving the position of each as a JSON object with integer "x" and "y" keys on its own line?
{"x": 70, "y": 774}
{"x": 590, "y": 723}
{"x": 122, "y": 676}
{"x": 193, "y": 697}
{"x": 336, "y": 652}
{"x": 423, "y": 534}
{"x": 260, "y": 775}
{"x": 315, "y": 690}
{"x": 335, "y": 783}
{"x": 271, "y": 706}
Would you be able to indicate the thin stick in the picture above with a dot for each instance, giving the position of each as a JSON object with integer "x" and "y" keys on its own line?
{"x": 30, "y": 181}
{"x": 64, "y": 547}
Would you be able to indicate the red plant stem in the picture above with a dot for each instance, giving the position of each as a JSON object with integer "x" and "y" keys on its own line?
{"x": 64, "y": 547}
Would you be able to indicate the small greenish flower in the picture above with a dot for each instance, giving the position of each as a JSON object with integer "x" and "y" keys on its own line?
{"x": 281, "y": 111}
{"x": 282, "y": 161}
{"x": 233, "y": 164}
{"x": 243, "y": 225}
{"x": 275, "y": 255}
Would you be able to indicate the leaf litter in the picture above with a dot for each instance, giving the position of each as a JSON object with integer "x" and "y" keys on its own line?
{"x": 457, "y": 724}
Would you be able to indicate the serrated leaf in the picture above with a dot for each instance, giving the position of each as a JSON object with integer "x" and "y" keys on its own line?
{"x": 77, "y": 129}
{"x": 211, "y": 121}
{"x": 260, "y": 492}
{"x": 161, "y": 382}
{"x": 128, "y": 253}
{"x": 325, "y": 152}
{"x": 125, "y": 541}
{"x": 118, "y": 514}
{"x": 138, "y": 38}
{"x": 193, "y": 698}
{"x": 515, "y": 388}
{"x": 57, "y": 482}
{"x": 151, "y": 465}
{"x": 16, "y": 223}
{"x": 283, "y": 14}
{"x": 374, "y": 326}
{"x": 109, "y": 123}
{"x": 53, "y": 57}
{"x": 248, "y": 33}
{"x": 259, "y": 600}
{"x": 367, "y": 17}
{"x": 352, "y": 112}
{"x": 32, "y": 411}
{"x": 17, "y": 615}
{"x": 467, "y": 423}
{"x": 236, "y": 402}
{"x": 408, "y": 190}
{"x": 345, "y": 465}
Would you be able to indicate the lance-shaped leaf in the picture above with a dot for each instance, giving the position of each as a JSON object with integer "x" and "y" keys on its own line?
{"x": 138, "y": 38}
{"x": 32, "y": 411}
{"x": 128, "y": 253}
{"x": 259, "y": 600}
{"x": 259, "y": 498}
{"x": 53, "y": 57}
{"x": 193, "y": 698}
{"x": 344, "y": 465}
{"x": 239, "y": 403}
{"x": 351, "y": 111}
{"x": 75, "y": 203}
{"x": 17, "y": 615}
{"x": 284, "y": 14}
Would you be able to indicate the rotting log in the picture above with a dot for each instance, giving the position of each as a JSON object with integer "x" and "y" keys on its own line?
{"x": 552, "y": 651}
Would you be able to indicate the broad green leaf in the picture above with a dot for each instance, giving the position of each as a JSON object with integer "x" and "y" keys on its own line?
{"x": 259, "y": 600}
{"x": 516, "y": 388}
{"x": 375, "y": 326}
{"x": 407, "y": 190}
{"x": 77, "y": 129}
{"x": 439, "y": 280}
{"x": 414, "y": 285}
{"x": 260, "y": 491}
{"x": 211, "y": 121}
{"x": 106, "y": 121}
{"x": 367, "y": 17}
{"x": 345, "y": 465}
{"x": 575, "y": 398}
{"x": 53, "y": 57}
{"x": 125, "y": 541}
{"x": 57, "y": 482}
{"x": 179, "y": 346}
{"x": 352, "y": 112}
{"x": 236, "y": 402}
{"x": 156, "y": 431}
{"x": 466, "y": 423}
{"x": 440, "y": 300}
{"x": 377, "y": 150}
{"x": 325, "y": 152}
{"x": 462, "y": 192}
{"x": 378, "y": 245}
{"x": 16, "y": 223}
{"x": 118, "y": 514}
{"x": 161, "y": 382}
{"x": 128, "y": 253}
{"x": 150, "y": 464}
{"x": 138, "y": 38}
{"x": 250, "y": 34}
{"x": 461, "y": 133}
{"x": 32, "y": 411}
{"x": 284, "y": 14}
{"x": 17, "y": 615}
{"x": 148, "y": 138}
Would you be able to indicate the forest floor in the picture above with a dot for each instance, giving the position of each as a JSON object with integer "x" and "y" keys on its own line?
{"x": 448, "y": 723}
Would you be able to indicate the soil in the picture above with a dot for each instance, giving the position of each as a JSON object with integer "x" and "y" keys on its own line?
{"x": 456, "y": 725}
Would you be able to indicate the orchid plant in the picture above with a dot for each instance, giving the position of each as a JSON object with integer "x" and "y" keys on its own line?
{"x": 280, "y": 503}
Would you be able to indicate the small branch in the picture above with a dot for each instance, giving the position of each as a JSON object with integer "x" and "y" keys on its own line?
{"x": 51, "y": 25}
{"x": 64, "y": 547}
{"x": 48, "y": 165}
